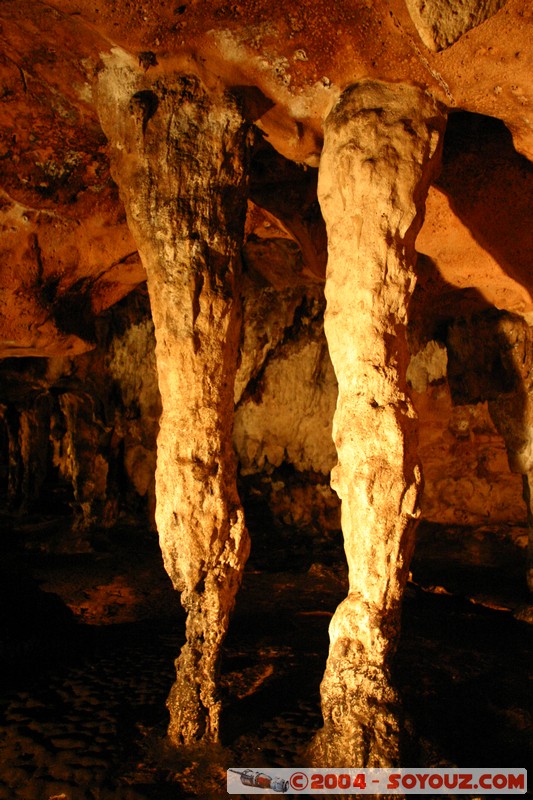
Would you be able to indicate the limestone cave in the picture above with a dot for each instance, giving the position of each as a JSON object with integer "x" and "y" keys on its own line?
{"x": 266, "y": 390}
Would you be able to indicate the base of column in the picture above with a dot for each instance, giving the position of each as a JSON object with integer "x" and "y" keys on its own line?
{"x": 361, "y": 727}
{"x": 194, "y": 710}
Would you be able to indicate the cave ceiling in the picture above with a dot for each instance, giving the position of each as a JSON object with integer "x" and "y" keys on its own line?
{"x": 66, "y": 251}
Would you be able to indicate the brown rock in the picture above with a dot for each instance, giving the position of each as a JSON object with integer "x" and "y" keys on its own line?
{"x": 180, "y": 159}
{"x": 440, "y": 23}
{"x": 492, "y": 359}
{"x": 380, "y": 151}
{"x": 180, "y": 156}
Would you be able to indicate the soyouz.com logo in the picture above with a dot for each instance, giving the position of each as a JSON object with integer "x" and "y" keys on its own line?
{"x": 247, "y": 780}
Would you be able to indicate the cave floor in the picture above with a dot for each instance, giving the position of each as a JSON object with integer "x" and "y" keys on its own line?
{"x": 83, "y": 704}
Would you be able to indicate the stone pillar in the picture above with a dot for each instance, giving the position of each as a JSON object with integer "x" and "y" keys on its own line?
{"x": 380, "y": 151}
{"x": 179, "y": 156}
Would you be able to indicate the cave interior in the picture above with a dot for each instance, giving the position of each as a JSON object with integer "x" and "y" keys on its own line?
{"x": 266, "y": 391}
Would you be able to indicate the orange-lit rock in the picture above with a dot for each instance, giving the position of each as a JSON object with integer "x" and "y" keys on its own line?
{"x": 380, "y": 152}
{"x": 66, "y": 250}
{"x": 467, "y": 480}
{"x": 180, "y": 157}
{"x": 440, "y": 23}
{"x": 168, "y": 94}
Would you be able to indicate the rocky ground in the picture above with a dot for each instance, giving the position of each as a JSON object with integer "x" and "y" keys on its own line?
{"x": 89, "y": 638}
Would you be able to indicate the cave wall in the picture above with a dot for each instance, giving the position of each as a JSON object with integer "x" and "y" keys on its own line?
{"x": 181, "y": 146}
{"x": 68, "y": 253}
{"x": 467, "y": 480}
{"x": 79, "y": 434}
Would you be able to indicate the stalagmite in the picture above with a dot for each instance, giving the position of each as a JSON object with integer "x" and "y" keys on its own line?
{"x": 380, "y": 152}
{"x": 180, "y": 160}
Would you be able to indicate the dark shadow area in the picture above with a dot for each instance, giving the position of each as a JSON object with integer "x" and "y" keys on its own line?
{"x": 490, "y": 358}
{"x": 76, "y": 698}
{"x": 464, "y": 672}
{"x": 289, "y": 192}
{"x": 275, "y": 656}
{"x": 37, "y": 630}
{"x": 90, "y": 722}
{"x": 75, "y": 440}
{"x": 485, "y": 564}
{"x": 446, "y": 301}
{"x": 490, "y": 187}
{"x": 276, "y": 545}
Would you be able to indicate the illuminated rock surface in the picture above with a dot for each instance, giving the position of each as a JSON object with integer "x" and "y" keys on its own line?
{"x": 380, "y": 150}
{"x": 180, "y": 159}
{"x": 179, "y": 144}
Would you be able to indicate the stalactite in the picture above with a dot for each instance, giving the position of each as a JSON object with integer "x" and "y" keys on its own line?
{"x": 380, "y": 152}
{"x": 180, "y": 159}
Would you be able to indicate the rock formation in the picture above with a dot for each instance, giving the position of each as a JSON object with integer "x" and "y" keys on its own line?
{"x": 492, "y": 360}
{"x": 80, "y": 432}
{"x": 180, "y": 144}
{"x": 180, "y": 158}
{"x": 442, "y": 22}
{"x": 380, "y": 151}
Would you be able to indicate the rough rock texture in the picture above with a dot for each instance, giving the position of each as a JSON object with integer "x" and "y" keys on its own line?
{"x": 380, "y": 151}
{"x": 267, "y": 317}
{"x": 67, "y": 254}
{"x": 59, "y": 275}
{"x": 286, "y": 413}
{"x": 491, "y": 358}
{"x": 466, "y": 472}
{"x": 27, "y": 435}
{"x": 51, "y": 410}
{"x": 59, "y": 444}
{"x": 286, "y": 393}
{"x": 131, "y": 363}
{"x": 440, "y": 23}
{"x": 180, "y": 158}
{"x": 66, "y": 250}
{"x": 79, "y": 433}
{"x": 427, "y": 366}
{"x": 287, "y": 425}
{"x": 467, "y": 480}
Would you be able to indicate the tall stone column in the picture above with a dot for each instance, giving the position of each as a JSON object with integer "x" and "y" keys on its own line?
{"x": 380, "y": 151}
{"x": 179, "y": 156}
